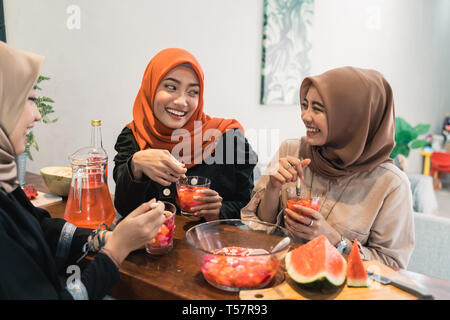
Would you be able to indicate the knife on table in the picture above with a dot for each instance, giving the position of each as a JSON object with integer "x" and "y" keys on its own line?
{"x": 418, "y": 292}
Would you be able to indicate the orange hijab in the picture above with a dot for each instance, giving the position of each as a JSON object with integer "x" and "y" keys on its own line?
{"x": 151, "y": 133}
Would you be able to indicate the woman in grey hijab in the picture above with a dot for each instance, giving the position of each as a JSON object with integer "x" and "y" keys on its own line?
{"x": 39, "y": 253}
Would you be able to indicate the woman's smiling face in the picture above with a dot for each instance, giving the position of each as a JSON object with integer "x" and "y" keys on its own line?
{"x": 177, "y": 97}
{"x": 30, "y": 114}
{"x": 315, "y": 118}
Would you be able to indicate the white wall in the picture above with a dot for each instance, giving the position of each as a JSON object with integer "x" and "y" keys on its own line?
{"x": 406, "y": 40}
{"x": 96, "y": 70}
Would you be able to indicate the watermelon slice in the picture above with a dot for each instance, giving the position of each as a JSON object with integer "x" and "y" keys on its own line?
{"x": 356, "y": 273}
{"x": 317, "y": 264}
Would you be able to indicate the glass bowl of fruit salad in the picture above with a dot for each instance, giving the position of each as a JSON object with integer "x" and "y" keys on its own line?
{"x": 236, "y": 254}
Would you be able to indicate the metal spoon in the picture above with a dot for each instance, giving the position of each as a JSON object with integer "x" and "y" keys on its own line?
{"x": 281, "y": 244}
{"x": 297, "y": 188}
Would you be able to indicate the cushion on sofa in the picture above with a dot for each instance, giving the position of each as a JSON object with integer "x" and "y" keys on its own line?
{"x": 431, "y": 255}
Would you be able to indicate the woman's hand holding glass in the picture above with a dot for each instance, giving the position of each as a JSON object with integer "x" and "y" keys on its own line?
{"x": 210, "y": 210}
{"x": 157, "y": 164}
{"x": 309, "y": 225}
{"x": 137, "y": 229}
{"x": 288, "y": 169}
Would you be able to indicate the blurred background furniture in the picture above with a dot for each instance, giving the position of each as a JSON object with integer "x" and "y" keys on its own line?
{"x": 426, "y": 161}
{"x": 423, "y": 195}
{"x": 422, "y": 190}
{"x": 440, "y": 163}
{"x": 431, "y": 255}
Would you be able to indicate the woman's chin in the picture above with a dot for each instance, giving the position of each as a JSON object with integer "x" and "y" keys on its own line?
{"x": 19, "y": 151}
{"x": 174, "y": 123}
{"x": 310, "y": 140}
{"x": 314, "y": 142}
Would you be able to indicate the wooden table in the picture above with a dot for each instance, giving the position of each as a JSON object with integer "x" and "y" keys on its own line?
{"x": 176, "y": 275}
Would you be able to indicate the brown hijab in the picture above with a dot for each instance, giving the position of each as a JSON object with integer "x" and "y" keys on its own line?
{"x": 19, "y": 71}
{"x": 360, "y": 115}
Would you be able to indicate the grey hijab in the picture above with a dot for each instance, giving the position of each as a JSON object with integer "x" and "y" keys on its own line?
{"x": 19, "y": 71}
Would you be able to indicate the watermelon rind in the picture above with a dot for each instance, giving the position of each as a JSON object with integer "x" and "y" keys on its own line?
{"x": 357, "y": 283}
{"x": 57, "y": 179}
{"x": 320, "y": 279}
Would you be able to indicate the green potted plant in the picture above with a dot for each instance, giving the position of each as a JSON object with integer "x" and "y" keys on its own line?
{"x": 44, "y": 106}
{"x": 407, "y": 137}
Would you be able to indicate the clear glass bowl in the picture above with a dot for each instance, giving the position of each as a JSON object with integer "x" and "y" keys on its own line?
{"x": 236, "y": 254}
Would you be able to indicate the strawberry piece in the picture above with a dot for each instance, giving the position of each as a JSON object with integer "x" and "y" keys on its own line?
{"x": 30, "y": 191}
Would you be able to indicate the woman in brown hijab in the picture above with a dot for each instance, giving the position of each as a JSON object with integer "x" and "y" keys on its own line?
{"x": 344, "y": 159}
{"x": 38, "y": 253}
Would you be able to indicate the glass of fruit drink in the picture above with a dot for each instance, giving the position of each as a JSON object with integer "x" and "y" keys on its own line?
{"x": 163, "y": 241}
{"x": 187, "y": 189}
{"x": 292, "y": 199}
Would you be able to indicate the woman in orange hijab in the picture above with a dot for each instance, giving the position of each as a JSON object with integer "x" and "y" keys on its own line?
{"x": 171, "y": 137}
{"x": 344, "y": 161}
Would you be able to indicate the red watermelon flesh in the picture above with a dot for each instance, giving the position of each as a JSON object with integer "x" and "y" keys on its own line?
{"x": 316, "y": 261}
{"x": 356, "y": 273}
{"x": 30, "y": 191}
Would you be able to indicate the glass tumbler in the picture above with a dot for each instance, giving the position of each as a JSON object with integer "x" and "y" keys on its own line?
{"x": 162, "y": 243}
{"x": 187, "y": 189}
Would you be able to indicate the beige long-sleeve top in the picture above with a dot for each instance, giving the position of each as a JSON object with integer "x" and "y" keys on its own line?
{"x": 374, "y": 207}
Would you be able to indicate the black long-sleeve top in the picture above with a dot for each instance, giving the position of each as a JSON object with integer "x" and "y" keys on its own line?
{"x": 231, "y": 175}
{"x": 38, "y": 255}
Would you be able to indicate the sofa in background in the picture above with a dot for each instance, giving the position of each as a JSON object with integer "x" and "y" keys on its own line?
{"x": 423, "y": 195}
{"x": 431, "y": 255}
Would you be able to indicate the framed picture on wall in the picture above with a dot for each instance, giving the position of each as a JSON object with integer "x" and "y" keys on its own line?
{"x": 286, "y": 49}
